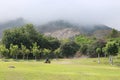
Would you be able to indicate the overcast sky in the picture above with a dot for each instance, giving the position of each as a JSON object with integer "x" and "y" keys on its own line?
{"x": 80, "y": 11}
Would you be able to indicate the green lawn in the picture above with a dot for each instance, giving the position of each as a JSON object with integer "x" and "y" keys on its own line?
{"x": 63, "y": 69}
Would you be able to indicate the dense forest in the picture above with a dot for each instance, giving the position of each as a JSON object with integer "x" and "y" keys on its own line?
{"x": 26, "y": 42}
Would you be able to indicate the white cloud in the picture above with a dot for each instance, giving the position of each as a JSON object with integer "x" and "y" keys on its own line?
{"x": 95, "y": 11}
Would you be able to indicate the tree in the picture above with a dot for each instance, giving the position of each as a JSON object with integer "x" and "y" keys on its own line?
{"x": 83, "y": 48}
{"x": 94, "y": 45}
{"x": 114, "y": 33}
{"x": 82, "y": 39}
{"x": 25, "y": 34}
{"x": 46, "y": 52}
{"x": 14, "y": 50}
{"x": 35, "y": 50}
{"x": 23, "y": 50}
{"x": 27, "y": 51}
{"x": 111, "y": 49}
{"x": 51, "y": 43}
{"x": 98, "y": 51}
{"x": 104, "y": 50}
{"x": 57, "y": 52}
{"x": 69, "y": 49}
{"x": 4, "y": 52}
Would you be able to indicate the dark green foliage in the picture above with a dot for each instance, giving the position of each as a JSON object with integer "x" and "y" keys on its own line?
{"x": 52, "y": 43}
{"x": 112, "y": 48}
{"x": 91, "y": 51}
{"x": 26, "y": 40}
{"x": 83, "y": 49}
{"x": 69, "y": 49}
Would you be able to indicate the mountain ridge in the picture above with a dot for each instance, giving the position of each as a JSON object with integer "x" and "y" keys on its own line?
{"x": 59, "y": 28}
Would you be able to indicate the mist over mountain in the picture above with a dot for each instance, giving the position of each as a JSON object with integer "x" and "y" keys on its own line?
{"x": 10, "y": 24}
{"x": 60, "y": 28}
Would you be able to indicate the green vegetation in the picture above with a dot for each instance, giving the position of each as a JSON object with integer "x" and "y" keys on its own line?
{"x": 20, "y": 45}
{"x": 61, "y": 69}
{"x": 30, "y": 43}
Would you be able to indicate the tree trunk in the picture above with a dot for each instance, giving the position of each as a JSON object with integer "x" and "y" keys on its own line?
{"x": 27, "y": 56}
{"x": 23, "y": 57}
{"x": 13, "y": 56}
{"x": 98, "y": 58}
{"x": 105, "y": 55}
{"x": 35, "y": 58}
{"x": 111, "y": 59}
{"x": 16, "y": 57}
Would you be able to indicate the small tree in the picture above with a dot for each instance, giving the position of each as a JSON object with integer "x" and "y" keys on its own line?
{"x": 83, "y": 49}
{"x": 27, "y": 51}
{"x": 57, "y": 52}
{"x": 4, "y": 52}
{"x": 111, "y": 49}
{"x": 104, "y": 50}
{"x": 23, "y": 50}
{"x": 114, "y": 33}
{"x": 14, "y": 50}
{"x": 98, "y": 51}
{"x": 35, "y": 50}
{"x": 46, "y": 52}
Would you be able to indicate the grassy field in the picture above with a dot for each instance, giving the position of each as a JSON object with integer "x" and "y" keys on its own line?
{"x": 62, "y": 69}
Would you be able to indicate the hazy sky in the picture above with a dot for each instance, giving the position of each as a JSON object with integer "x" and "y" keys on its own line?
{"x": 40, "y": 11}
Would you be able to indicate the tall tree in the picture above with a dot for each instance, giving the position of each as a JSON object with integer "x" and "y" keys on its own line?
{"x": 4, "y": 52}
{"x": 27, "y": 51}
{"x": 114, "y": 33}
{"x": 69, "y": 49}
{"x": 14, "y": 50}
{"x": 23, "y": 50}
{"x": 25, "y": 35}
{"x": 111, "y": 49}
{"x": 98, "y": 51}
{"x": 35, "y": 50}
{"x": 57, "y": 52}
{"x": 46, "y": 52}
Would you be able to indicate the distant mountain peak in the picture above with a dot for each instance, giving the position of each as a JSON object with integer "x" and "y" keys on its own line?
{"x": 61, "y": 28}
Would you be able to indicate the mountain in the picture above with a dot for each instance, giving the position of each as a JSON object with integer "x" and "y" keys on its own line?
{"x": 63, "y": 33}
{"x": 12, "y": 23}
{"x": 55, "y": 25}
{"x": 62, "y": 29}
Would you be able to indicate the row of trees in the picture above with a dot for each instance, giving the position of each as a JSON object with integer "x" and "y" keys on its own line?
{"x": 27, "y": 42}
{"x": 14, "y": 51}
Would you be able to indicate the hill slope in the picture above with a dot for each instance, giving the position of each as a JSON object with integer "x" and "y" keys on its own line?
{"x": 62, "y": 29}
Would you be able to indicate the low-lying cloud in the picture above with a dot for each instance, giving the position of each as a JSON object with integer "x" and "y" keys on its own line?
{"x": 80, "y": 11}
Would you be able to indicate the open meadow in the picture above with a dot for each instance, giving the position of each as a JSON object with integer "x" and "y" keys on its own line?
{"x": 62, "y": 69}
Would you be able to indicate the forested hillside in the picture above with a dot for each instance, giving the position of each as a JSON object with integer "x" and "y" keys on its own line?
{"x": 27, "y": 43}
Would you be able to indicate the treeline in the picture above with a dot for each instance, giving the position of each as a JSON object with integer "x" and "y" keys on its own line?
{"x": 27, "y": 43}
